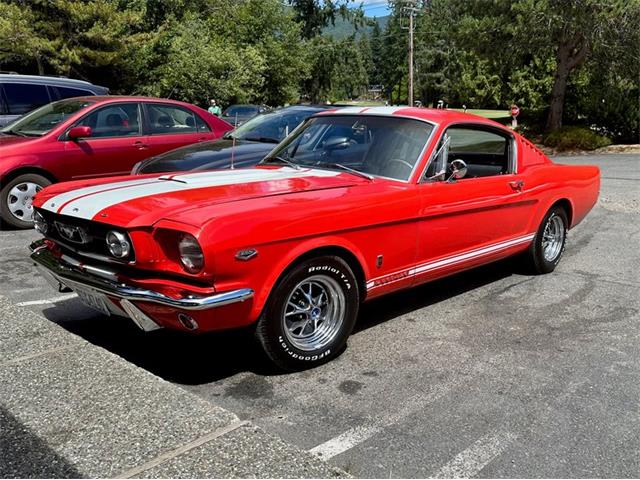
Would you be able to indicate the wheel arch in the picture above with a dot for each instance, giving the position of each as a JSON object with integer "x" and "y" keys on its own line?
{"x": 25, "y": 171}
{"x": 566, "y": 205}
{"x": 328, "y": 246}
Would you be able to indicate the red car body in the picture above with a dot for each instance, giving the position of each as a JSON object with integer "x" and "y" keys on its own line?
{"x": 56, "y": 157}
{"x": 393, "y": 234}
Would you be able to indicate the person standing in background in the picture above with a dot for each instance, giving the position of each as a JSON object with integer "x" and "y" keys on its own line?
{"x": 214, "y": 109}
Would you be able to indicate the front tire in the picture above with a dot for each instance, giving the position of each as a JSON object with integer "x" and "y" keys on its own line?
{"x": 310, "y": 314}
{"x": 549, "y": 243}
{"x": 16, "y": 198}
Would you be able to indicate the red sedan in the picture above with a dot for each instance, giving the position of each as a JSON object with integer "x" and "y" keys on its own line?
{"x": 353, "y": 205}
{"x": 90, "y": 137}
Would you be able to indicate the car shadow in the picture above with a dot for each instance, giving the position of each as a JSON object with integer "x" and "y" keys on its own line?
{"x": 199, "y": 359}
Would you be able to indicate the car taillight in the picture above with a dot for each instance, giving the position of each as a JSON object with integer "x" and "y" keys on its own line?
{"x": 191, "y": 255}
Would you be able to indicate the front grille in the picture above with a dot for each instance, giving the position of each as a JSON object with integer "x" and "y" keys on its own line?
{"x": 82, "y": 236}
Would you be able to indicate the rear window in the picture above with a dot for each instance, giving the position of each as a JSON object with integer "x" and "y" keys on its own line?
{"x": 65, "y": 92}
{"x": 24, "y": 97}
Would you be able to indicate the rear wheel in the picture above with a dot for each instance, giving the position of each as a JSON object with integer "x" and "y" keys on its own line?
{"x": 550, "y": 240}
{"x": 16, "y": 198}
{"x": 310, "y": 314}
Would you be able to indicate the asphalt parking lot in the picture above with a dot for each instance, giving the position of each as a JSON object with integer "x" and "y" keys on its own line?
{"x": 491, "y": 373}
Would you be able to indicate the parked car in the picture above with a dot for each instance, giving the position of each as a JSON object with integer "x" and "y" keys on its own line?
{"x": 91, "y": 137}
{"x": 243, "y": 147}
{"x": 236, "y": 115}
{"x": 19, "y": 94}
{"x": 354, "y": 205}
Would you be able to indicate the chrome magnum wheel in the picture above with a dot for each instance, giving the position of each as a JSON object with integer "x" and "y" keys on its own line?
{"x": 16, "y": 198}
{"x": 553, "y": 237}
{"x": 310, "y": 313}
{"x": 547, "y": 247}
{"x": 314, "y": 313}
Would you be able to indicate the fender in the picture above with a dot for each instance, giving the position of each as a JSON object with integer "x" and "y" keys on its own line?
{"x": 263, "y": 291}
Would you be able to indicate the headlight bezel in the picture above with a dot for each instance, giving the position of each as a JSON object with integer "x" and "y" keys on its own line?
{"x": 119, "y": 246}
{"x": 190, "y": 253}
{"x": 40, "y": 223}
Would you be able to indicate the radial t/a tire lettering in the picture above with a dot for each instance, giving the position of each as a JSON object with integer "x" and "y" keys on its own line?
{"x": 310, "y": 314}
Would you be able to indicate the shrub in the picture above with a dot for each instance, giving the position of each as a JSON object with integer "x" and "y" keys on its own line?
{"x": 568, "y": 138}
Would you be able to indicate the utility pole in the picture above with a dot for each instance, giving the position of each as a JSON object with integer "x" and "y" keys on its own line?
{"x": 411, "y": 9}
{"x": 411, "y": 58}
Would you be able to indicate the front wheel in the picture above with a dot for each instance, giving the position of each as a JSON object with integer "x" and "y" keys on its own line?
{"x": 16, "y": 197}
{"x": 310, "y": 314}
{"x": 550, "y": 240}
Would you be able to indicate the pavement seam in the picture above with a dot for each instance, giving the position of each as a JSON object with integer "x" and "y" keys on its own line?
{"x": 136, "y": 471}
{"x": 25, "y": 358}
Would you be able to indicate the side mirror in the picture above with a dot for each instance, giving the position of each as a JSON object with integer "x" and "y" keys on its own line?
{"x": 79, "y": 132}
{"x": 459, "y": 170}
{"x": 336, "y": 143}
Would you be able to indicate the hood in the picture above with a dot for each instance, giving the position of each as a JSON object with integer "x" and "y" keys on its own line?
{"x": 142, "y": 201}
{"x": 216, "y": 154}
{"x": 6, "y": 140}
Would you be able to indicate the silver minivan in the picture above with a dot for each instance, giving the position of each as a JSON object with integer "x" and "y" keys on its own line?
{"x": 20, "y": 94}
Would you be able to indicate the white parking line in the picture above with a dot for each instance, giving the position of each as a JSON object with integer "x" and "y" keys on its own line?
{"x": 470, "y": 461}
{"x": 344, "y": 442}
{"x": 59, "y": 298}
{"x": 358, "y": 434}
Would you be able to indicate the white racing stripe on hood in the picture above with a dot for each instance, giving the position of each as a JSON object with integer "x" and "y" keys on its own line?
{"x": 53, "y": 204}
{"x": 87, "y": 207}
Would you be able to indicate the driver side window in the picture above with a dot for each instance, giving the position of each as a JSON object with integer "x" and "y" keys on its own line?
{"x": 485, "y": 151}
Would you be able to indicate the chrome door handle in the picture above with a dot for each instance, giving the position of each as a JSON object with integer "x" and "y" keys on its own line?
{"x": 140, "y": 145}
{"x": 517, "y": 185}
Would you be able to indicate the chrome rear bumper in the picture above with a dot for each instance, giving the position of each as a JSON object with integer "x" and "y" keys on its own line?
{"x": 69, "y": 273}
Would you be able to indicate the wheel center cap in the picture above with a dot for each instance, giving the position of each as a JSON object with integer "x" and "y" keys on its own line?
{"x": 315, "y": 312}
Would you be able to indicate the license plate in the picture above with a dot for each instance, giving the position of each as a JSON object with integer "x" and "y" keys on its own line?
{"x": 93, "y": 299}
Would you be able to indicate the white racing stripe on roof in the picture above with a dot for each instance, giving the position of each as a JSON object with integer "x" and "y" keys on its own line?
{"x": 87, "y": 207}
{"x": 383, "y": 110}
{"x": 350, "y": 110}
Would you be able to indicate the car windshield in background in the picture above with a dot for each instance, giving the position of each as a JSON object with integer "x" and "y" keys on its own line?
{"x": 44, "y": 119}
{"x": 379, "y": 146}
{"x": 271, "y": 127}
{"x": 241, "y": 110}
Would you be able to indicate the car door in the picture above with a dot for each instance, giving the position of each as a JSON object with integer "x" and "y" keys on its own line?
{"x": 473, "y": 219}
{"x": 172, "y": 126}
{"x": 116, "y": 143}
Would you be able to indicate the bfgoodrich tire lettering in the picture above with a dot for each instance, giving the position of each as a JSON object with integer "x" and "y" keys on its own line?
{"x": 310, "y": 314}
{"x": 549, "y": 243}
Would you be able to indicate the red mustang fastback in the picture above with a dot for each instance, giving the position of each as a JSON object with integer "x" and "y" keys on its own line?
{"x": 352, "y": 205}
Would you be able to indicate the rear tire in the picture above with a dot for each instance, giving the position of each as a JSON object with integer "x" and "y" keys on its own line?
{"x": 549, "y": 243}
{"x": 310, "y": 314}
{"x": 16, "y": 197}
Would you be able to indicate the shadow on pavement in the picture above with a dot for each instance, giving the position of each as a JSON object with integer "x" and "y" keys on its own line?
{"x": 24, "y": 455}
{"x": 199, "y": 359}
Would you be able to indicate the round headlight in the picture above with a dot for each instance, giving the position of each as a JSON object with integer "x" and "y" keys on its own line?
{"x": 40, "y": 223}
{"x": 118, "y": 244}
{"x": 191, "y": 255}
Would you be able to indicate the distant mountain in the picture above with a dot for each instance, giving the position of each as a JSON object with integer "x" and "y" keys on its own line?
{"x": 343, "y": 28}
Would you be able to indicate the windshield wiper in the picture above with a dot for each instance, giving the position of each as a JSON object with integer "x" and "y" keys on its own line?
{"x": 349, "y": 169}
{"x": 282, "y": 160}
{"x": 260, "y": 139}
{"x": 11, "y": 132}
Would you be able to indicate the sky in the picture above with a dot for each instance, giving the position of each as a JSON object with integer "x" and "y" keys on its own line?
{"x": 374, "y": 8}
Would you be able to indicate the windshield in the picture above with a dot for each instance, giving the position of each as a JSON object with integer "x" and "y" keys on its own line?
{"x": 271, "y": 127}
{"x": 241, "y": 110}
{"x": 44, "y": 119}
{"x": 380, "y": 146}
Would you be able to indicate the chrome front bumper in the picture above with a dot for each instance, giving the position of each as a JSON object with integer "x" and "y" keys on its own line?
{"x": 69, "y": 273}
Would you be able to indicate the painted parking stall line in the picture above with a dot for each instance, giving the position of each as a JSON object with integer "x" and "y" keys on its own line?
{"x": 47, "y": 301}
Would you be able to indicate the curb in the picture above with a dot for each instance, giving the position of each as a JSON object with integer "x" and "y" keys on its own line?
{"x": 69, "y": 408}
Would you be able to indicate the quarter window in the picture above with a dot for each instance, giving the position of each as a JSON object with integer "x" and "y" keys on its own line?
{"x": 65, "y": 92}
{"x": 24, "y": 97}
{"x": 170, "y": 119}
{"x": 122, "y": 120}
